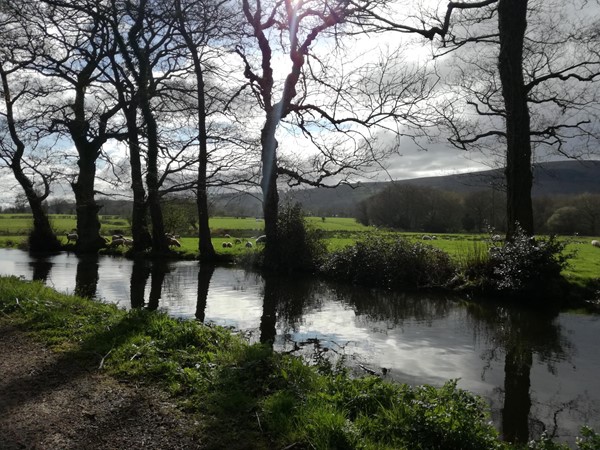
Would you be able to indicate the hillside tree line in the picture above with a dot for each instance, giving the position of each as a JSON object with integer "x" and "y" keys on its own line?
{"x": 429, "y": 210}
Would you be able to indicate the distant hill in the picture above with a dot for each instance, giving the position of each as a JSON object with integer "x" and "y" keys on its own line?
{"x": 550, "y": 179}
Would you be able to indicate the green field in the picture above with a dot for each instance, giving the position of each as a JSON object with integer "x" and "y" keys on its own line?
{"x": 337, "y": 231}
{"x": 20, "y": 224}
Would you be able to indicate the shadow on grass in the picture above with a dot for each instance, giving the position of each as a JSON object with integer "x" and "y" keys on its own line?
{"x": 209, "y": 371}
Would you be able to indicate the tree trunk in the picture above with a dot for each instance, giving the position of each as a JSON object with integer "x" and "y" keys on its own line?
{"x": 205, "y": 247}
{"x": 139, "y": 223}
{"x": 159, "y": 241}
{"x": 512, "y": 23}
{"x": 88, "y": 223}
{"x": 42, "y": 237}
{"x": 269, "y": 190}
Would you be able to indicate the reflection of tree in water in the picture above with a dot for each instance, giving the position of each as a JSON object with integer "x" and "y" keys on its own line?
{"x": 41, "y": 269}
{"x": 140, "y": 272}
{"x": 86, "y": 277}
{"x": 394, "y": 307}
{"x": 205, "y": 273}
{"x": 139, "y": 277}
{"x": 286, "y": 299}
{"x": 520, "y": 333}
{"x": 158, "y": 271}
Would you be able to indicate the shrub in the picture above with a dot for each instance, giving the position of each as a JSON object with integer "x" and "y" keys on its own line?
{"x": 525, "y": 262}
{"x": 388, "y": 262}
{"x": 301, "y": 248}
{"x": 524, "y": 265}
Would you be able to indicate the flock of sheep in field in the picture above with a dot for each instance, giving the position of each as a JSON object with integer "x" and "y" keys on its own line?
{"x": 227, "y": 244}
{"x": 118, "y": 240}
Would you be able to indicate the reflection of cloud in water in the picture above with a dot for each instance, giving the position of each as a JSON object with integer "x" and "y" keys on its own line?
{"x": 443, "y": 351}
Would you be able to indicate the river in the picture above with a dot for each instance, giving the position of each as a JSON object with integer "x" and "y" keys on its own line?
{"x": 538, "y": 371}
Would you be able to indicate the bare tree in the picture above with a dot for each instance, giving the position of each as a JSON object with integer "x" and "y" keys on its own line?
{"x": 204, "y": 27}
{"x": 528, "y": 74}
{"x": 126, "y": 92}
{"x": 150, "y": 54}
{"x": 71, "y": 55}
{"x": 333, "y": 108}
{"x": 18, "y": 137}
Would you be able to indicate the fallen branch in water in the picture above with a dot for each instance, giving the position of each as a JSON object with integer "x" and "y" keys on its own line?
{"x": 369, "y": 371}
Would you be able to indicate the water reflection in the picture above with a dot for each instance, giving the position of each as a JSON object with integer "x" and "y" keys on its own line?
{"x": 158, "y": 272}
{"x": 537, "y": 370}
{"x": 521, "y": 334}
{"x": 205, "y": 273}
{"x": 394, "y": 308}
{"x": 86, "y": 277}
{"x": 140, "y": 272}
{"x": 282, "y": 305}
{"x": 41, "y": 269}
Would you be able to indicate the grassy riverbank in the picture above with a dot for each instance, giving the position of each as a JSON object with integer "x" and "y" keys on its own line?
{"x": 337, "y": 232}
{"x": 247, "y": 393}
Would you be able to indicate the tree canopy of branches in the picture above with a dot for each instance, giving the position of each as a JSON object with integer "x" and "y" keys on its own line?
{"x": 334, "y": 103}
{"x": 526, "y": 84}
{"x": 219, "y": 93}
{"x": 527, "y": 74}
{"x": 19, "y": 146}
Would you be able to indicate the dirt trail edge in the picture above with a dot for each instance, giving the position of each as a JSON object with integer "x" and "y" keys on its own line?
{"x": 49, "y": 402}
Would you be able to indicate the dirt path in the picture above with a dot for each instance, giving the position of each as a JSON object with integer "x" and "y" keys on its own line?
{"x": 49, "y": 402}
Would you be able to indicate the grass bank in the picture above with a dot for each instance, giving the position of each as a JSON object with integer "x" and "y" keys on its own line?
{"x": 583, "y": 270}
{"x": 248, "y": 393}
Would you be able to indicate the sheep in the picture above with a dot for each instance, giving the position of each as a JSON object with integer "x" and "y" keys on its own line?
{"x": 72, "y": 237}
{"x": 426, "y": 238}
{"x": 226, "y": 236}
{"x": 261, "y": 239}
{"x": 248, "y": 244}
{"x": 238, "y": 241}
{"x": 171, "y": 241}
{"x": 596, "y": 243}
{"x": 497, "y": 238}
{"x": 117, "y": 242}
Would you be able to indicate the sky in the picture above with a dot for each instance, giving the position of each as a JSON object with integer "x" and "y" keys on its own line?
{"x": 440, "y": 158}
